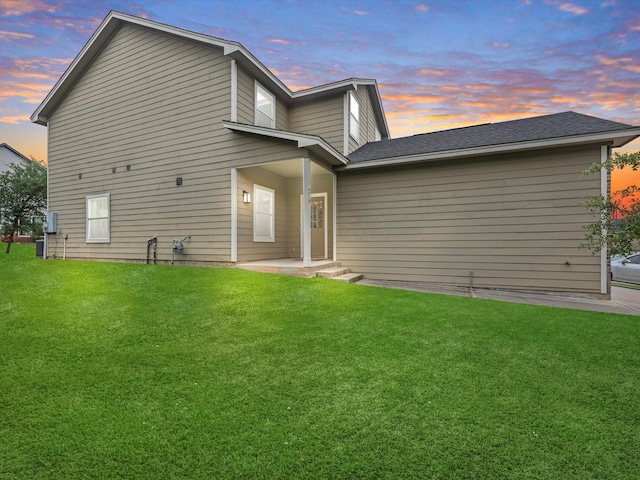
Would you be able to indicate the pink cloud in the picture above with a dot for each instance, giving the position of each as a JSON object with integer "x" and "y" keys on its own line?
{"x": 5, "y": 35}
{"x": 568, "y": 7}
{"x": 422, "y": 7}
{"x": 284, "y": 41}
{"x": 623, "y": 63}
{"x": 22, "y": 7}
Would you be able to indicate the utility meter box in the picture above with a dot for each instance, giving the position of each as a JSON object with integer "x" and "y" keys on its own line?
{"x": 52, "y": 222}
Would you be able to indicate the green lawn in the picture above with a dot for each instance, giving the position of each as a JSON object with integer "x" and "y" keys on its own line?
{"x": 162, "y": 372}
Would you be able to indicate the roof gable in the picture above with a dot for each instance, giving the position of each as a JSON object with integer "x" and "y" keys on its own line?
{"x": 234, "y": 50}
{"x": 15, "y": 152}
{"x": 547, "y": 128}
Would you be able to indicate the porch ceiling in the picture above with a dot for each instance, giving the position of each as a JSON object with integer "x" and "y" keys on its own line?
{"x": 292, "y": 168}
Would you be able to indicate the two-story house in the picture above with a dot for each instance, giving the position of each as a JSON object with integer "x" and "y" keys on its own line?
{"x": 159, "y": 131}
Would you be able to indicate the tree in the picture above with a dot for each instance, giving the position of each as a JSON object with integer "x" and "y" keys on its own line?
{"x": 23, "y": 198}
{"x": 618, "y": 213}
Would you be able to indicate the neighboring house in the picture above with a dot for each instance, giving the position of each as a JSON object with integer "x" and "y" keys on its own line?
{"x": 160, "y": 131}
{"x": 9, "y": 155}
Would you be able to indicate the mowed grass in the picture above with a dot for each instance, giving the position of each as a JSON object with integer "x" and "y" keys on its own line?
{"x": 160, "y": 372}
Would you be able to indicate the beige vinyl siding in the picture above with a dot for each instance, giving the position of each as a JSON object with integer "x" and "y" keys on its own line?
{"x": 324, "y": 118}
{"x": 282, "y": 115}
{"x": 248, "y": 250}
{"x": 150, "y": 102}
{"x": 246, "y": 102}
{"x": 512, "y": 220}
{"x": 246, "y": 98}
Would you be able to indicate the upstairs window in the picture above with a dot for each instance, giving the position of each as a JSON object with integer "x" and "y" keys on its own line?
{"x": 265, "y": 107}
{"x": 98, "y": 219}
{"x": 354, "y": 117}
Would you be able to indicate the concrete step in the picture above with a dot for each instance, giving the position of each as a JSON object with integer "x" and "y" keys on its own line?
{"x": 349, "y": 277}
{"x": 332, "y": 272}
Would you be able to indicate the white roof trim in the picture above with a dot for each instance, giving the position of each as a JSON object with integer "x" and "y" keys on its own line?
{"x": 302, "y": 140}
{"x": 348, "y": 84}
{"x": 503, "y": 148}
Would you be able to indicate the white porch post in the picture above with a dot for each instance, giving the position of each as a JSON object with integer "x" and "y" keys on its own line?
{"x": 306, "y": 212}
{"x": 335, "y": 217}
{"x": 234, "y": 215}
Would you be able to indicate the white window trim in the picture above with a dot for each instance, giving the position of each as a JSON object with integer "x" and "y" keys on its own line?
{"x": 272, "y": 237}
{"x": 108, "y": 217}
{"x": 354, "y": 134}
{"x": 255, "y": 101}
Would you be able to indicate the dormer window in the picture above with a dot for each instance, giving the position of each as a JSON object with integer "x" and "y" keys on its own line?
{"x": 354, "y": 117}
{"x": 265, "y": 107}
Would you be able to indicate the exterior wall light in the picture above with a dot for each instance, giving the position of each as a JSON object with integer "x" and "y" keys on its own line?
{"x": 246, "y": 196}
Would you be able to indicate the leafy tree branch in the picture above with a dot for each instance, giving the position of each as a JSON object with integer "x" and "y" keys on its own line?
{"x": 617, "y": 214}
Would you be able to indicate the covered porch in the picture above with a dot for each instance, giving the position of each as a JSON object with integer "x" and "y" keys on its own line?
{"x": 283, "y": 216}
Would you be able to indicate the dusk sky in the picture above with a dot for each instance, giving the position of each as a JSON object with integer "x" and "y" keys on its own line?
{"x": 439, "y": 64}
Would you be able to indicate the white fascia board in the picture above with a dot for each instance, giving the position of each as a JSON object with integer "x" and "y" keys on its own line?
{"x": 303, "y": 141}
{"x": 348, "y": 84}
{"x": 504, "y": 148}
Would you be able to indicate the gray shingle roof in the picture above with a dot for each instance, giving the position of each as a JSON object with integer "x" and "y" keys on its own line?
{"x": 528, "y": 129}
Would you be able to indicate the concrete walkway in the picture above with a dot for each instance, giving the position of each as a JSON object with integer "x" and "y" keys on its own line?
{"x": 623, "y": 300}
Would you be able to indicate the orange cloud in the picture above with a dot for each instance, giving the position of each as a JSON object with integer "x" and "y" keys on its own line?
{"x": 14, "y": 119}
{"x": 29, "y": 92}
{"x": 609, "y": 101}
{"x": 500, "y": 45}
{"x": 622, "y": 63}
{"x": 412, "y": 99}
{"x": 612, "y": 82}
{"x": 565, "y": 100}
{"x": 531, "y": 91}
{"x": 432, "y": 71}
{"x": 477, "y": 104}
{"x": 422, "y": 7}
